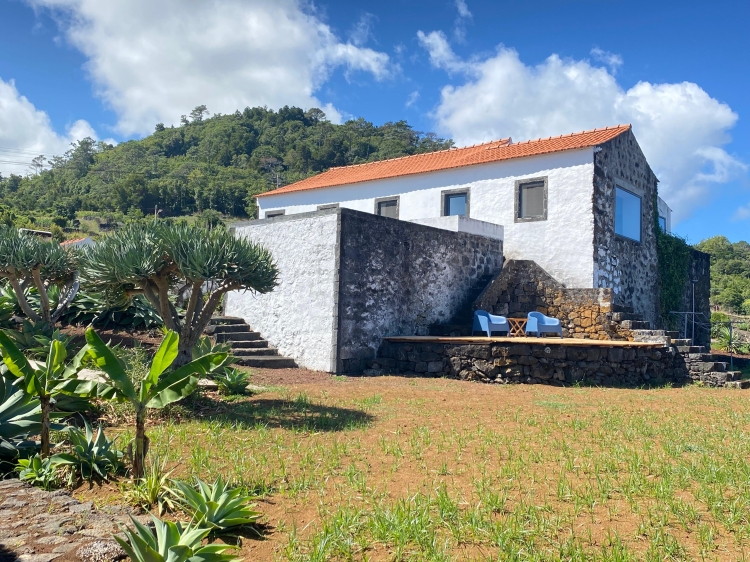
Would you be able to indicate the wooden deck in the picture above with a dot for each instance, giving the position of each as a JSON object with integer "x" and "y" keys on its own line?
{"x": 474, "y": 340}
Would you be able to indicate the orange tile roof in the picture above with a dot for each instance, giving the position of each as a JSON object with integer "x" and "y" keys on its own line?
{"x": 493, "y": 151}
{"x": 74, "y": 241}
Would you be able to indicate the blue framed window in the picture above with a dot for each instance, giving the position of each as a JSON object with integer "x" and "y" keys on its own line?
{"x": 627, "y": 214}
{"x": 455, "y": 204}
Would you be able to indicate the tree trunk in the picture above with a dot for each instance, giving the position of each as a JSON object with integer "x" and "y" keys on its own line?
{"x": 139, "y": 451}
{"x": 44, "y": 401}
{"x": 184, "y": 353}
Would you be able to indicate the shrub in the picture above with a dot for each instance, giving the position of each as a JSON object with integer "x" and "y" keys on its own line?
{"x": 91, "y": 456}
{"x": 232, "y": 381}
{"x": 217, "y": 506}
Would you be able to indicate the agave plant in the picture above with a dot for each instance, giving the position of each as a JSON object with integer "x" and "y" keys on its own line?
{"x": 232, "y": 381}
{"x": 156, "y": 488}
{"x": 171, "y": 543}
{"x": 206, "y": 346}
{"x": 91, "y": 456}
{"x": 38, "y": 471}
{"x": 35, "y": 338}
{"x": 217, "y": 506}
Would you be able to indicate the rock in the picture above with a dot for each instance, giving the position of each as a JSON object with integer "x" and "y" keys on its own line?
{"x": 101, "y": 551}
{"x": 46, "y": 557}
{"x": 81, "y": 507}
{"x": 91, "y": 375}
{"x": 207, "y": 384}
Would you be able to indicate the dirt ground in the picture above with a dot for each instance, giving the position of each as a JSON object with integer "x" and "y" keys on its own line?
{"x": 368, "y": 467}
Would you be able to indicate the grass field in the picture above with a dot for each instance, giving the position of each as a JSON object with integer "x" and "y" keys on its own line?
{"x": 421, "y": 469}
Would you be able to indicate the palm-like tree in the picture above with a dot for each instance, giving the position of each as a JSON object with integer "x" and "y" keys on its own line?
{"x": 153, "y": 259}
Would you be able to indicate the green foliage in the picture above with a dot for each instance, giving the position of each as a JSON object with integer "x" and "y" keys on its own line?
{"x": 158, "y": 387}
{"x": 206, "y": 346}
{"x": 27, "y": 261}
{"x": 216, "y": 163}
{"x": 155, "y": 488}
{"x": 39, "y": 471}
{"x": 674, "y": 261}
{"x": 170, "y": 542}
{"x": 35, "y": 339}
{"x": 20, "y": 418}
{"x": 92, "y": 308}
{"x": 92, "y": 456}
{"x": 730, "y": 273}
{"x": 729, "y": 341}
{"x": 149, "y": 259}
{"x": 231, "y": 381}
{"x": 217, "y": 506}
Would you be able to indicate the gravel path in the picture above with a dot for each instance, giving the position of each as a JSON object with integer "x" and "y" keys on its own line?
{"x": 39, "y": 526}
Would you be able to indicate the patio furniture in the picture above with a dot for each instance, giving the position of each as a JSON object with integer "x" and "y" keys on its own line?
{"x": 488, "y": 323}
{"x": 540, "y": 324}
{"x": 517, "y": 326}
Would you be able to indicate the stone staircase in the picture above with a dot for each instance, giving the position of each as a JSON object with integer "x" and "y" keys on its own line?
{"x": 248, "y": 346}
{"x": 700, "y": 363}
{"x": 462, "y": 321}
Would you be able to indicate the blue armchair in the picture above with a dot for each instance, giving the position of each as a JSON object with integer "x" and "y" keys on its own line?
{"x": 488, "y": 323}
{"x": 537, "y": 323}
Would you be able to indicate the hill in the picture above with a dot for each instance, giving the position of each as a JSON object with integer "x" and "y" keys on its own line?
{"x": 730, "y": 273}
{"x": 216, "y": 163}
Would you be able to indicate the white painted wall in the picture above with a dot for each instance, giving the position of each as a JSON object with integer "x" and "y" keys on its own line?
{"x": 297, "y": 317}
{"x": 562, "y": 245}
{"x": 665, "y": 211}
{"x": 458, "y": 223}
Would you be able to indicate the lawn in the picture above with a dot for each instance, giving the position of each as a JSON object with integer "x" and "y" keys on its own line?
{"x": 394, "y": 468}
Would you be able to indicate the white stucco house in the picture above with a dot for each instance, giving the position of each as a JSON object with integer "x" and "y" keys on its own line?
{"x": 583, "y": 206}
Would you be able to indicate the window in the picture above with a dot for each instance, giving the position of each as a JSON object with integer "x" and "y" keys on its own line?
{"x": 278, "y": 213}
{"x": 329, "y": 206}
{"x": 531, "y": 200}
{"x": 456, "y": 203}
{"x": 663, "y": 223}
{"x": 627, "y": 214}
{"x": 387, "y": 208}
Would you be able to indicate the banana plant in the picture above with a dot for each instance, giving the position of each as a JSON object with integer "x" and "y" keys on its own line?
{"x": 158, "y": 387}
{"x": 41, "y": 379}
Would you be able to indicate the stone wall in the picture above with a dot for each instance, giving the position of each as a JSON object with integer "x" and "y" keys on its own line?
{"x": 522, "y": 287}
{"x": 502, "y": 362}
{"x": 398, "y": 278}
{"x": 628, "y": 267}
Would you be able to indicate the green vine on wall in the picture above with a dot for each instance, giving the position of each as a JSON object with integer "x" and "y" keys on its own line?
{"x": 674, "y": 261}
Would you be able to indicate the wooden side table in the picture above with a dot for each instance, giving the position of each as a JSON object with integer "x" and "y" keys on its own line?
{"x": 517, "y": 326}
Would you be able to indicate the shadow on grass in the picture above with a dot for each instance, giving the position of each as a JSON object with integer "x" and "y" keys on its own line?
{"x": 297, "y": 415}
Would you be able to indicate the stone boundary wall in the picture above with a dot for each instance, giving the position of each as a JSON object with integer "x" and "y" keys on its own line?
{"x": 523, "y": 286}
{"x": 504, "y": 363}
{"x": 397, "y": 278}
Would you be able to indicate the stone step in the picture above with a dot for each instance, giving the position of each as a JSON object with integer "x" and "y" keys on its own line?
{"x": 252, "y": 344}
{"x": 682, "y": 341}
{"x": 254, "y": 351}
{"x": 673, "y": 334}
{"x": 700, "y": 357}
{"x": 708, "y": 367}
{"x": 621, "y": 308}
{"x": 219, "y": 320}
{"x": 621, "y": 316}
{"x": 229, "y": 328}
{"x": 688, "y": 349}
{"x": 267, "y": 362}
{"x": 734, "y": 375}
{"x": 738, "y": 384}
{"x": 237, "y": 336}
{"x": 635, "y": 324}
{"x": 661, "y": 333}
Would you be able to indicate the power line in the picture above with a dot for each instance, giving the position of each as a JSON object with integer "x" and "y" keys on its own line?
{"x": 18, "y": 151}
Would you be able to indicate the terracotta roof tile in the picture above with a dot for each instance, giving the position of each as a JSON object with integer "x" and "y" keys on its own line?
{"x": 493, "y": 151}
{"x": 73, "y": 241}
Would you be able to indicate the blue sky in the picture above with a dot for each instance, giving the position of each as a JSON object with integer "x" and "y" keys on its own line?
{"x": 469, "y": 69}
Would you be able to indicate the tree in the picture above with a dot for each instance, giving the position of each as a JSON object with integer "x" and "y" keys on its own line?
{"x": 41, "y": 379}
{"x": 27, "y": 261}
{"x": 196, "y": 115}
{"x": 152, "y": 259}
{"x": 155, "y": 390}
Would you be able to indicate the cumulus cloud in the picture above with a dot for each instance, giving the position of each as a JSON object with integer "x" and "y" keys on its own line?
{"x": 153, "y": 61}
{"x": 681, "y": 129}
{"x": 26, "y": 132}
{"x": 612, "y": 60}
{"x": 362, "y": 31}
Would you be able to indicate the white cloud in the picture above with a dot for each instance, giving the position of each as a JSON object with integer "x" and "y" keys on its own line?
{"x": 464, "y": 15}
{"x": 412, "y": 99}
{"x": 681, "y": 129}
{"x": 742, "y": 213}
{"x": 26, "y": 132}
{"x": 362, "y": 31}
{"x": 612, "y": 60}
{"x": 153, "y": 61}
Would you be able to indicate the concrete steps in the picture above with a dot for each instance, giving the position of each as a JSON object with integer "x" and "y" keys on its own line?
{"x": 248, "y": 346}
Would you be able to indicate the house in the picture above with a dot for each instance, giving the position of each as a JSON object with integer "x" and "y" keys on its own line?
{"x": 78, "y": 242}
{"x": 583, "y": 207}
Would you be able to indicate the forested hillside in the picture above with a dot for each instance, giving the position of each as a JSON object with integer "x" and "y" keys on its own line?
{"x": 730, "y": 273}
{"x": 214, "y": 163}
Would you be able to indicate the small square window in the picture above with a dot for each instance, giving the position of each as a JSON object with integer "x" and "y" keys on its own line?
{"x": 627, "y": 214}
{"x": 388, "y": 208}
{"x": 663, "y": 224}
{"x": 455, "y": 204}
{"x": 278, "y": 213}
{"x": 531, "y": 203}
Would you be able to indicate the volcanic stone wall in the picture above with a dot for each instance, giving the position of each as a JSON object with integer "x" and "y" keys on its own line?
{"x": 540, "y": 363}
{"x": 522, "y": 287}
